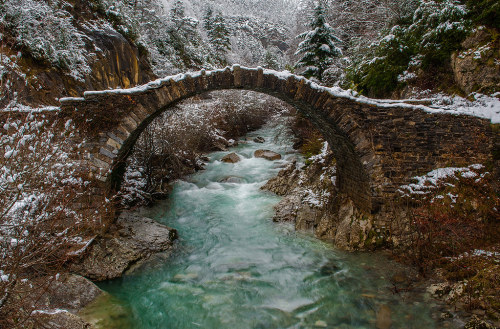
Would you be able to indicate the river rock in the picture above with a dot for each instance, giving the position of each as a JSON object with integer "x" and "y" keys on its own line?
{"x": 320, "y": 324}
{"x": 232, "y": 179}
{"x": 384, "y": 320}
{"x": 259, "y": 139}
{"x": 231, "y": 158}
{"x": 70, "y": 292}
{"x": 64, "y": 299}
{"x": 130, "y": 240}
{"x": 285, "y": 182}
{"x": 477, "y": 323}
{"x": 267, "y": 154}
{"x": 60, "y": 319}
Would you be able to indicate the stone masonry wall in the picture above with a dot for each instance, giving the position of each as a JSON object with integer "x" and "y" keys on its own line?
{"x": 378, "y": 146}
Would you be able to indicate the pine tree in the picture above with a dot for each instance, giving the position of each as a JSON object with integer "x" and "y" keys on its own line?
{"x": 177, "y": 13}
{"x": 183, "y": 36}
{"x": 219, "y": 36}
{"x": 319, "y": 46}
{"x": 208, "y": 19}
{"x": 270, "y": 61}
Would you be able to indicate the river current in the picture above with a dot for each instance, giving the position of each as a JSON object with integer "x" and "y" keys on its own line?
{"x": 234, "y": 268}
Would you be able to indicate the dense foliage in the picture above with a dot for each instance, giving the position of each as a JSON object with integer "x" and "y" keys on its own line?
{"x": 423, "y": 41}
{"x": 485, "y": 12}
{"x": 218, "y": 34}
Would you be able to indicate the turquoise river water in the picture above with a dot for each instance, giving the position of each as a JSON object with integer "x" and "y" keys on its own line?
{"x": 234, "y": 268}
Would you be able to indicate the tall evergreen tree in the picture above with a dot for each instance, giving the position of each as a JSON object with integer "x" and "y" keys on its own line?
{"x": 183, "y": 35}
{"x": 319, "y": 46}
{"x": 219, "y": 36}
{"x": 208, "y": 19}
{"x": 270, "y": 61}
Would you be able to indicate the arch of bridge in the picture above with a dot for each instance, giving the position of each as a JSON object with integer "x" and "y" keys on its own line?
{"x": 378, "y": 145}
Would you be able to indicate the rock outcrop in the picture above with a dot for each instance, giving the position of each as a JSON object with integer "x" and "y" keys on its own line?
{"x": 114, "y": 61}
{"x": 477, "y": 67}
{"x": 132, "y": 239}
{"x": 65, "y": 297}
{"x": 313, "y": 202}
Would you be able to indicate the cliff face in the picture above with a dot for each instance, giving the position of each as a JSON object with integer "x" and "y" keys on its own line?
{"x": 111, "y": 61}
{"x": 476, "y": 68}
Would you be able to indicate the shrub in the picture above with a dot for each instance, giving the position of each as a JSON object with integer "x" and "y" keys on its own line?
{"x": 436, "y": 30}
{"x": 451, "y": 216}
{"x": 41, "y": 224}
{"x": 485, "y": 12}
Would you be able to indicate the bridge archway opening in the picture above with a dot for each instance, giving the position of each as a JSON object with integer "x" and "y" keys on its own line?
{"x": 197, "y": 125}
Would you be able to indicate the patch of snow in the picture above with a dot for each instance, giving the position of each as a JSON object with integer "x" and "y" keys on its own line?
{"x": 424, "y": 184}
{"x": 50, "y": 312}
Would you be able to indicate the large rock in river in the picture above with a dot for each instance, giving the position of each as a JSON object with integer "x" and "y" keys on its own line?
{"x": 267, "y": 154}
{"x": 231, "y": 158}
{"x": 64, "y": 298}
{"x": 130, "y": 240}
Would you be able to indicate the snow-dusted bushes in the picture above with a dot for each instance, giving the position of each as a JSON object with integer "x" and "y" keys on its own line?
{"x": 45, "y": 31}
{"x": 423, "y": 41}
{"x": 454, "y": 230}
{"x": 41, "y": 225}
{"x": 451, "y": 211}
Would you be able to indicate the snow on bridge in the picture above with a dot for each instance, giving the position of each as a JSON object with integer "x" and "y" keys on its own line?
{"x": 378, "y": 144}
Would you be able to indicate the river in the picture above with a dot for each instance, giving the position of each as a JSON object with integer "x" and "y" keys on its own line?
{"x": 234, "y": 268}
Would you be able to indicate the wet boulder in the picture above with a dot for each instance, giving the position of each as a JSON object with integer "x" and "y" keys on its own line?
{"x": 267, "y": 154}
{"x": 132, "y": 239}
{"x": 232, "y": 179}
{"x": 231, "y": 158}
{"x": 259, "y": 139}
{"x": 232, "y": 143}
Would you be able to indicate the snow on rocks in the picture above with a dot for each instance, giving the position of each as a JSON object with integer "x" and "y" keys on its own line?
{"x": 427, "y": 183}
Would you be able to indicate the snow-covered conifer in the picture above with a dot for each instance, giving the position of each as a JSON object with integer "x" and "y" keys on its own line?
{"x": 271, "y": 61}
{"x": 219, "y": 36}
{"x": 208, "y": 19}
{"x": 319, "y": 47}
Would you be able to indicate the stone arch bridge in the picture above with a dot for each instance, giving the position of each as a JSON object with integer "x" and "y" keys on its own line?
{"x": 378, "y": 145}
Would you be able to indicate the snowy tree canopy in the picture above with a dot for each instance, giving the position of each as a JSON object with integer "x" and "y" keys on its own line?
{"x": 319, "y": 47}
{"x": 218, "y": 35}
